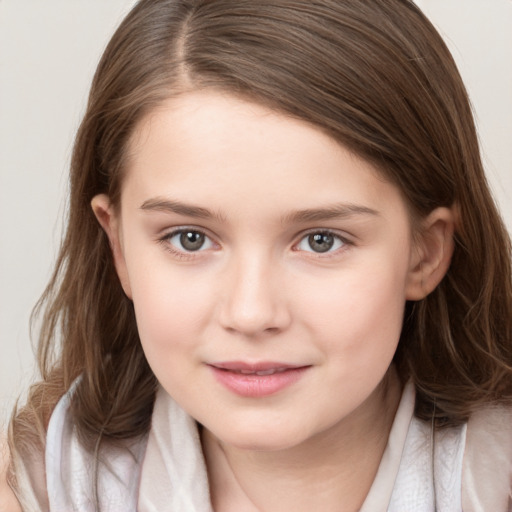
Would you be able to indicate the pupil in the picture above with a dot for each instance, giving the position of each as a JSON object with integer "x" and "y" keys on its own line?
{"x": 321, "y": 242}
{"x": 192, "y": 240}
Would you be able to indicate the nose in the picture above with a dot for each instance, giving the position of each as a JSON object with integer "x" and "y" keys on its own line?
{"x": 254, "y": 298}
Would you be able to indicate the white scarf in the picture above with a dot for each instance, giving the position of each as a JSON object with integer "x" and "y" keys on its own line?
{"x": 165, "y": 472}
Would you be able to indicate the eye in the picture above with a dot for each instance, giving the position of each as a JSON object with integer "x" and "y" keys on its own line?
{"x": 320, "y": 242}
{"x": 189, "y": 240}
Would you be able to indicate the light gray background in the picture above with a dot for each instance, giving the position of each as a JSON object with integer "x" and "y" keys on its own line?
{"x": 48, "y": 52}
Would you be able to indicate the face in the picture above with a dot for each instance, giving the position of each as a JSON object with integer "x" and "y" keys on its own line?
{"x": 268, "y": 267}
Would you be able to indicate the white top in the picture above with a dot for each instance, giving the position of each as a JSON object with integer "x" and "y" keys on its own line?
{"x": 465, "y": 468}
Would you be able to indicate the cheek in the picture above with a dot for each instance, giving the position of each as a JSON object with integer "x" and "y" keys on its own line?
{"x": 358, "y": 333}
{"x": 165, "y": 313}
{"x": 170, "y": 309}
{"x": 361, "y": 315}
{"x": 169, "y": 328}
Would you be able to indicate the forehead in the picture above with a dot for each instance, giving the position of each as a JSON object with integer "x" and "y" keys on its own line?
{"x": 214, "y": 148}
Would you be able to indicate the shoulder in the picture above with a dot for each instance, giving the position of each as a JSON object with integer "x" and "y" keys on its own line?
{"x": 8, "y": 500}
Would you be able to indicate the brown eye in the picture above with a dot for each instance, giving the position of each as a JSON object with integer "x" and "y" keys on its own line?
{"x": 189, "y": 240}
{"x": 321, "y": 242}
{"x": 192, "y": 240}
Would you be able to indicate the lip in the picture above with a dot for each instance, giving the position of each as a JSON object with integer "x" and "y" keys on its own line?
{"x": 256, "y": 380}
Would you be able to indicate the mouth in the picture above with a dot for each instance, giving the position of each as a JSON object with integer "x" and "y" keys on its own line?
{"x": 260, "y": 372}
{"x": 256, "y": 379}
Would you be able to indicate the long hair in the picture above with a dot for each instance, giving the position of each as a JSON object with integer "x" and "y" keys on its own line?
{"x": 373, "y": 74}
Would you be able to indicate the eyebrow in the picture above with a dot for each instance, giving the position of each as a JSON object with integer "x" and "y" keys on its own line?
{"x": 337, "y": 211}
{"x": 171, "y": 206}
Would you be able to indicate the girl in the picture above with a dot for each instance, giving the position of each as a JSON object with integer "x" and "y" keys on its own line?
{"x": 284, "y": 283}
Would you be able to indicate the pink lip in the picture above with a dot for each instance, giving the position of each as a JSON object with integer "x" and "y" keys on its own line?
{"x": 233, "y": 375}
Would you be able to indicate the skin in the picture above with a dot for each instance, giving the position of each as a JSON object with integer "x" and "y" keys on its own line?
{"x": 258, "y": 290}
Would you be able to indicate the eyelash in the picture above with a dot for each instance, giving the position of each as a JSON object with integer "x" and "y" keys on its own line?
{"x": 165, "y": 241}
{"x": 345, "y": 243}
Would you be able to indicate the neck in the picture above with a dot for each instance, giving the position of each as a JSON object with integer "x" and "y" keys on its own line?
{"x": 332, "y": 471}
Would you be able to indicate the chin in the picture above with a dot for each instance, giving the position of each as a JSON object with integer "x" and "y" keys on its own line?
{"x": 259, "y": 446}
{"x": 261, "y": 440}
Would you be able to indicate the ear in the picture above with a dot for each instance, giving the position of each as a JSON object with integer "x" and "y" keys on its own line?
{"x": 110, "y": 222}
{"x": 432, "y": 253}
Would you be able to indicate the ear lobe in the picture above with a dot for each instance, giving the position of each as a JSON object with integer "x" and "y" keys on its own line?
{"x": 109, "y": 221}
{"x": 433, "y": 253}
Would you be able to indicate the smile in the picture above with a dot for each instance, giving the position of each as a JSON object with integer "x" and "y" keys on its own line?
{"x": 256, "y": 380}
{"x": 261, "y": 372}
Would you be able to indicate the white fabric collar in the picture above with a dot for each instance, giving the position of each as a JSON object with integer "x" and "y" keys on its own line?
{"x": 166, "y": 472}
{"x": 173, "y": 472}
{"x": 70, "y": 469}
{"x": 407, "y": 478}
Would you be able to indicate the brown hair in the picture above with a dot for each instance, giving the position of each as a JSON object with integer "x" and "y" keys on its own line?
{"x": 376, "y": 76}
